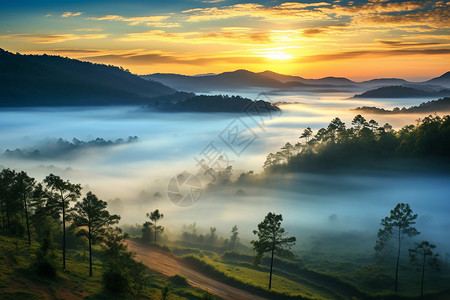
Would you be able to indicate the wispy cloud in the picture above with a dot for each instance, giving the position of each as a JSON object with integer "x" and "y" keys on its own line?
{"x": 71, "y": 14}
{"x": 225, "y": 35}
{"x": 89, "y": 29}
{"x": 156, "y": 21}
{"x": 288, "y": 10}
{"x": 403, "y": 44}
{"x": 53, "y": 38}
{"x": 373, "y": 53}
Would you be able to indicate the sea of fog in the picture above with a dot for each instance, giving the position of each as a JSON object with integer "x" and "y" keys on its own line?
{"x": 130, "y": 176}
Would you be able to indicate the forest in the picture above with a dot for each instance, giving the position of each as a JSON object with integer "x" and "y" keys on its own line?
{"x": 366, "y": 144}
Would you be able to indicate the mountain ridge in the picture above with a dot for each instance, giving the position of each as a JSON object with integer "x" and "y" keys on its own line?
{"x": 268, "y": 79}
{"x": 44, "y": 80}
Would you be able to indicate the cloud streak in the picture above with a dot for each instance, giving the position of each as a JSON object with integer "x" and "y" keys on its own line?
{"x": 54, "y": 38}
{"x": 71, "y": 14}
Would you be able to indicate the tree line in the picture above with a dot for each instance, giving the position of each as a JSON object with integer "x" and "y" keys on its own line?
{"x": 340, "y": 146}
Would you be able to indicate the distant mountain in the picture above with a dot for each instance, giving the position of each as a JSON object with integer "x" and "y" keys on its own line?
{"x": 380, "y": 82}
{"x": 441, "y": 105}
{"x": 401, "y": 92}
{"x": 443, "y": 80}
{"x": 281, "y": 77}
{"x": 225, "y": 81}
{"x": 43, "y": 80}
{"x": 241, "y": 79}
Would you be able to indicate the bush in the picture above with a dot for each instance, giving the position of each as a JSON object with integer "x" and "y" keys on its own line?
{"x": 45, "y": 266}
{"x": 179, "y": 280}
{"x": 115, "y": 281}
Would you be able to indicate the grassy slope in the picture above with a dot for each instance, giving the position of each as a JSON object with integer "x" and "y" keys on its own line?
{"x": 19, "y": 281}
{"x": 324, "y": 275}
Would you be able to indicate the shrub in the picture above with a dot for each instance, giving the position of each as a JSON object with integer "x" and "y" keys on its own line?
{"x": 179, "y": 280}
{"x": 115, "y": 281}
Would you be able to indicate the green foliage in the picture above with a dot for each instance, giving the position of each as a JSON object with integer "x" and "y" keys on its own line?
{"x": 115, "y": 280}
{"x": 119, "y": 265}
{"x": 165, "y": 292}
{"x": 45, "y": 257}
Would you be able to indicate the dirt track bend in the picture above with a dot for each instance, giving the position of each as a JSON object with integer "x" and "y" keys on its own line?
{"x": 170, "y": 264}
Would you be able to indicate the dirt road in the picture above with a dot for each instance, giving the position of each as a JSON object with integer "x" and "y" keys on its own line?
{"x": 170, "y": 264}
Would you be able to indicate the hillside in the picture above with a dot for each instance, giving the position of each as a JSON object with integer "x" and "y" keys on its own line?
{"x": 42, "y": 80}
{"x": 443, "y": 80}
{"x": 401, "y": 92}
{"x": 442, "y": 105}
{"x": 189, "y": 102}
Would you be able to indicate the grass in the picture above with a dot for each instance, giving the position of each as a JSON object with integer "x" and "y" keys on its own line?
{"x": 18, "y": 280}
{"x": 256, "y": 280}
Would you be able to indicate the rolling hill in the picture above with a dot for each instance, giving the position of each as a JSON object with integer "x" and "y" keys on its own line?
{"x": 43, "y": 80}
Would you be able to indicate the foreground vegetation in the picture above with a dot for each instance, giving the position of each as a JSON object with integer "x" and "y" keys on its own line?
{"x": 50, "y": 249}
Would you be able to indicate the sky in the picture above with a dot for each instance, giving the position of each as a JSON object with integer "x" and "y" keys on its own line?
{"x": 313, "y": 39}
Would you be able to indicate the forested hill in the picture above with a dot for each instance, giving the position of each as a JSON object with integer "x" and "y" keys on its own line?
{"x": 366, "y": 144}
{"x": 43, "y": 80}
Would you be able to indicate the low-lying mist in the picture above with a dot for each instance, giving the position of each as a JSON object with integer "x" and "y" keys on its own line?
{"x": 134, "y": 177}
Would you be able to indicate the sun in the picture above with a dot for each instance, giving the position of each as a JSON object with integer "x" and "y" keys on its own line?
{"x": 278, "y": 55}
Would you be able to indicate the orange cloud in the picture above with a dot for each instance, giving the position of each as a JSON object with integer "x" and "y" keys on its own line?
{"x": 150, "y": 20}
{"x": 225, "y": 35}
{"x": 71, "y": 14}
{"x": 288, "y": 10}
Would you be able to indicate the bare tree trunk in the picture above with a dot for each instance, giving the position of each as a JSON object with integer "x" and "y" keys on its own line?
{"x": 64, "y": 230}
{"x": 398, "y": 260}
{"x": 155, "y": 232}
{"x": 271, "y": 265}
{"x": 90, "y": 252}
{"x": 423, "y": 275}
{"x": 26, "y": 217}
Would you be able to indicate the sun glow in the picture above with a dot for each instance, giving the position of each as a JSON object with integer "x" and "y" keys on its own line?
{"x": 277, "y": 55}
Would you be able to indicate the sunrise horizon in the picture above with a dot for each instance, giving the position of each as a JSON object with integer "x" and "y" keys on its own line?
{"x": 359, "y": 40}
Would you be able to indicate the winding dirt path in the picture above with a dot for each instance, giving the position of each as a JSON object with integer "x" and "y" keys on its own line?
{"x": 170, "y": 264}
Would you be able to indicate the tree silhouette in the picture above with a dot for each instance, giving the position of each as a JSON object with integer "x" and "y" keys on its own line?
{"x": 10, "y": 205}
{"x": 271, "y": 239}
{"x": 421, "y": 255}
{"x": 155, "y": 216}
{"x": 397, "y": 226}
{"x": 234, "y": 239}
{"x": 359, "y": 122}
{"x": 287, "y": 150}
{"x": 24, "y": 186}
{"x": 91, "y": 213}
{"x": 64, "y": 193}
{"x": 307, "y": 133}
